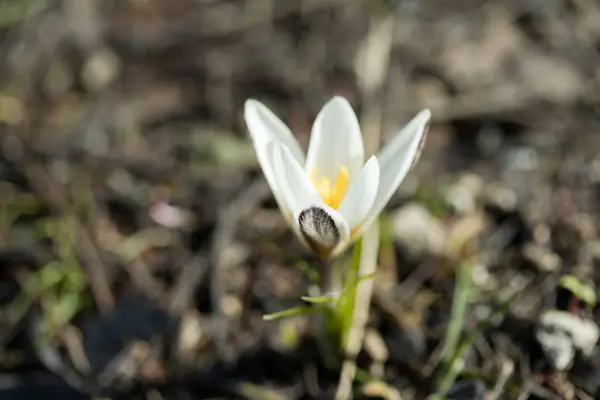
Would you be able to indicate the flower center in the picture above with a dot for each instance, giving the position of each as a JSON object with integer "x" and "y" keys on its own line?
{"x": 332, "y": 194}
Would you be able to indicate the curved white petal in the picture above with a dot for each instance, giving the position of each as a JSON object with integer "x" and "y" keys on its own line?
{"x": 300, "y": 194}
{"x": 335, "y": 141}
{"x": 266, "y": 127}
{"x": 396, "y": 159}
{"x": 296, "y": 188}
{"x": 361, "y": 195}
{"x": 399, "y": 146}
{"x": 266, "y": 160}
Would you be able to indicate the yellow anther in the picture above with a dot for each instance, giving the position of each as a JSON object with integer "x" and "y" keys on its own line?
{"x": 331, "y": 195}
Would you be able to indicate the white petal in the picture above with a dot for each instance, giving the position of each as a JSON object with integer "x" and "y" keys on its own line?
{"x": 396, "y": 159}
{"x": 296, "y": 188}
{"x": 266, "y": 161}
{"x": 301, "y": 195}
{"x": 400, "y": 144}
{"x": 335, "y": 141}
{"x": 361, "y": 195}
{"x": 265, "y": 127}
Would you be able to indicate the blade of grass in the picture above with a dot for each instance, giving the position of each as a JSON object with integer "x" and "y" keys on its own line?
{"x": 292, "y": 312}
{"x": 460, "y": 303}
{"x": 462, "y": 291}
{"x": 318, "y": 299}
{"x": 447, "y": 378}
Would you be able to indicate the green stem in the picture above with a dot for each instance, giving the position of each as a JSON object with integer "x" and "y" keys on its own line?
{"x": 348, "y": 298}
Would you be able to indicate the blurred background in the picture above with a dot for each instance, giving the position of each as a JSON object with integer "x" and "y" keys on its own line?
{"x": 140, "y": 245}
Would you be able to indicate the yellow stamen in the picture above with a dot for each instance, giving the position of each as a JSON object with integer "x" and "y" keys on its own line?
{"x": 331, "y": 195}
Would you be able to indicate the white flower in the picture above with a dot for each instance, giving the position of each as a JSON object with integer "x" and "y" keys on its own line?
{"x": 331, "y": 196}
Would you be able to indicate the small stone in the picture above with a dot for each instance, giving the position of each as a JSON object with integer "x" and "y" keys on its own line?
{"x": 542, "y": 257}
{"x": 461, "y": 200}
{"x": 521, "y": 158}
{"x": 101, "y": 69}
{"x": 231, "y": 306}
{"x": 584, "y": 332}
{"x": 417, "y": 231}
{"x": 557, "y": 347}
{"x": 463, "y": 195}
{"x": 500, "y": 197}
{"x": 481, "y": 275}
{"x": 542, "y": 234}
{"x": 190, "y": 337}
{"x": 560, "y": 333}
{"x": 169, "y": 216}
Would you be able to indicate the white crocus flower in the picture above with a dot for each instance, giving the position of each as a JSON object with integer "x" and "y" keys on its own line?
{"x": 331, "y": 196}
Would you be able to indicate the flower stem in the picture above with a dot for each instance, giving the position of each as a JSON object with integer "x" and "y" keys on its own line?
{"x": 326, "y": 325}
{"x": 330, "y": 278}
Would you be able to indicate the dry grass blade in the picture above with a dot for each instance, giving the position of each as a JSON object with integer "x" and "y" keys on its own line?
{"x": 505, "y": 373}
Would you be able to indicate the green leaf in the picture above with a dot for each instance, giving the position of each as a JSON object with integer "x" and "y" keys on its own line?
{"x": 460, "y": 303}
{"x": 292, "y": 312}
{"x": 67, "y": 307}
{"x": 318, "y": 299}
{"x": 583, "y": 292}
{"x": 49, "y": 276}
